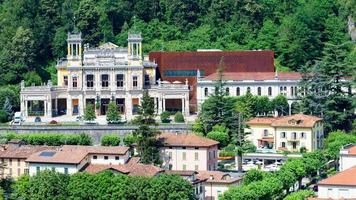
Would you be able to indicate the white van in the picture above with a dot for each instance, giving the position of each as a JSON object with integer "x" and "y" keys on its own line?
{"x": 18, "y": 118}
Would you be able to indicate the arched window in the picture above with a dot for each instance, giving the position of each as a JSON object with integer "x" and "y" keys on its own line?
{"x": 303, "y": 135}
{"x": 248, "y": 89}
{"x": 237, "y": 91}
{"x": 294, "y": 135}
{"x": 259, "y": 92}
{"x": 269, "y": 91}
{"x": 291, "y": 91}
{"x": 283, "y": 134}
{"x": 227, "y": 91}
{"x": 295, "y": 91}
{"x": 283, "y": 145}
{"x": 206, "y": 92}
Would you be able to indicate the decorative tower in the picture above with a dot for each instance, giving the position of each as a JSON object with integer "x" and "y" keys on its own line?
{"x": 74, "y": 42}
{"x": 134, "y": 47}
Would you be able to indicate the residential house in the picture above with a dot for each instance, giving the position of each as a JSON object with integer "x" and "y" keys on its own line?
{"x": 339, "y": 186}
{"x": 13, "y": 156}
{"x": 289, "y": 133}
{"x": 217, "y": 183}
{"x": 70, "y": 159}
{"x": 187, "y": 151}
{"x": 347, "y": 157}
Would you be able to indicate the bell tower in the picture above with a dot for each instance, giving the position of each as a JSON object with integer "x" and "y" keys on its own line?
{"x": 134, "y": 47}
{"x": 74, "y": 42}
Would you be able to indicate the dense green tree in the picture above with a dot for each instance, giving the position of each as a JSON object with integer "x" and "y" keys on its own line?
{"x": 328, "y": 94}
{"x": 110, "y": 140}
{"x": 113, "y": 115}
{"x": 7, "y": 108}
{"x": 89, "y": 113}
{"x": 280, "y": 104}
{"x": 335, "y": 141}
{"x": 147, "y": 144}
{"x": 252, "y": 176}
{"x": 221, "y": 134}
{"x": 300, "y": 195}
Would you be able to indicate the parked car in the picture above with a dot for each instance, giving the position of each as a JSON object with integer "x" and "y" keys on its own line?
{"x": 38, "y": 119}
{"x": 18, "y": 118}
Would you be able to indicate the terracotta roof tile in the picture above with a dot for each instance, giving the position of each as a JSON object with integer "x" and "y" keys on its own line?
{"x": 347, "y": 178}
{"x": 297, "y": 120}
{"x": 132, "y": 168}
{"x": 257, "y": 76}
{"x": 181, "y": 172}
{"x": 23, "y": 151}
{"x": 73, "y": 154}
{"x": 217, "y": 177}
{"x": 185, "y": 140}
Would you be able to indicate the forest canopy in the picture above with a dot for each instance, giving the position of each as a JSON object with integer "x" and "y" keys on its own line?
{"x": 33, "y": 32}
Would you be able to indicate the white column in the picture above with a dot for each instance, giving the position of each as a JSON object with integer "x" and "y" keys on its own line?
{"x": 69, "y": 106}
{"x": 186, "y": 103}
{"x": 128, "y": 107}
{"x": 163, "y": 104}
{"x": 183, "y": 106}
{"x": 49, "y": 107}
{"x": 159, "y": 105}
{"x": 81, "y": 105}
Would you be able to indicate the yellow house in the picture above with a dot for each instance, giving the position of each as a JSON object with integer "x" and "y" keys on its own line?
{"x": 289, "y": 133}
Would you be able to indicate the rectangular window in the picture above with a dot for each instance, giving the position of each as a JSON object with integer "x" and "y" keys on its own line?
{"x": 26, "y": 171}
{"x": 182, "y": 73}
{"x": 147, "y": 79}
{"x": 106, "y": 157}
{"x": 105, "y": 80}
{"x": 18, "y": 162}
{"x": 196, "y": 167}
{"x": 184, "y": 156}
{"x": 196, "y": 156}
{"x": 95, "y": 157}
{"x": 170, "y": 155}
{"x": 10, "y": 161}
{"x": 65, "y": 170}
{"x": 117, "y": 158}
{"x": 38, "y": 169}
{"x": 90, "y": 80}
{"x": 74, "y": 82}
{"x": 134, "y": 81}
{"x": 65, "y": 80}
{"x": 119, "y": 80}
{"x": 184, "y": 167}
{"x": 10, "y": 171}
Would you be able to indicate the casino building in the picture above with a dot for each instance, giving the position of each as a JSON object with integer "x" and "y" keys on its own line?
{"x": 102, "y": 74}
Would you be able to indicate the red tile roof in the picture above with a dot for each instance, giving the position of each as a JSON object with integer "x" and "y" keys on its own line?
{"x": 132, "y": 168}
{"x": 350, "y": 148}
{"x": 185, "y": 140}
{"x": 73, "y": 154}
{"x": 344, "y": 178}
{"x": 23, "y": 151}
{"x": 217, "y": 177}
{"x": 257, "y": 76}
{"x": 297, "y": 120}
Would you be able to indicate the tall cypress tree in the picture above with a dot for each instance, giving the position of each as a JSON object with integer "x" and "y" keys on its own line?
{"x": 147, "y": 144}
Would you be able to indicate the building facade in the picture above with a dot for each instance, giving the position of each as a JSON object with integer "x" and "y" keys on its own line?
{"x": 289, "y": 133}
{"x": 179, "y": 66}
{"x": 188, "y": 152}
{"x": 99, "y": 75}
{"x": 347, "y": 157}
{"x": 270, "y": 84}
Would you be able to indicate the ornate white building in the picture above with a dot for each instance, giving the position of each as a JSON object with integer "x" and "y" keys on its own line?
{"x": 100, "y": 75}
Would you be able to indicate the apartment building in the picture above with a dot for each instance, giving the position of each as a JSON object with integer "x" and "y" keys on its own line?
{"x": 289, "y": 133}
{"x": 13, "y": 156}
{"x": 187, "y": 151}
{"x": 70, "y": 159}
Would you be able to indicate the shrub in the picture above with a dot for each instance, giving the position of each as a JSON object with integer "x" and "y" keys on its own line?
{"x": 165, "y": 117}
{"x": 3, "y": 116}
{"x": 110, "y": 140}
{"x": 89, "y": 114}
{"x": 129, "y": 139}
{"x": 53, "y": 122}
{"x": 303, "y": 150}
{"x": 220, "y": 134}
{"x": 300, "y": 195}
{"x": 178, "y": 117}
{"x": 112, "y": 115}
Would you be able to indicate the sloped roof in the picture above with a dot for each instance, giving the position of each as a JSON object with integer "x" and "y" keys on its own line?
{"x": 23, "y": 151}
{"x": 257, "y": 76}
{"x": 297, "y": 120}
{"x": 185, "y": 140}
{"x": 344, "y": 178}
{"x": 217, "y": 177}
{"x": 73, "y": 154}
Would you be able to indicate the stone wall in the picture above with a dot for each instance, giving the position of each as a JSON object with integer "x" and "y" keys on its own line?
{"x": 95, "y": 131}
